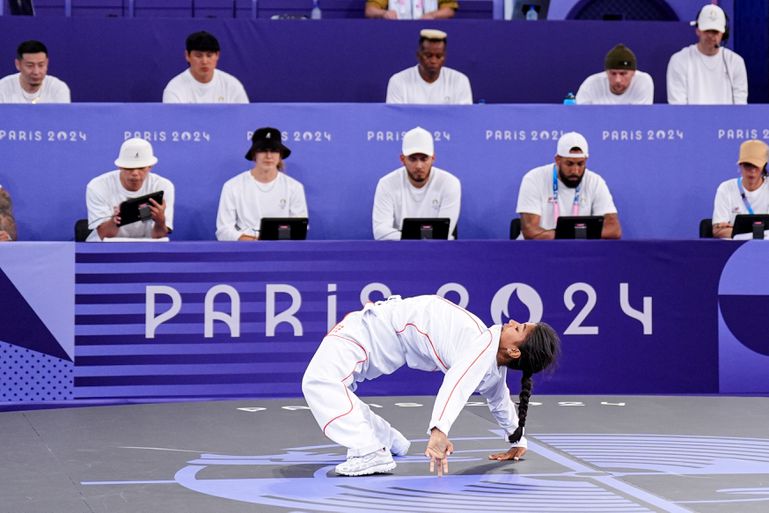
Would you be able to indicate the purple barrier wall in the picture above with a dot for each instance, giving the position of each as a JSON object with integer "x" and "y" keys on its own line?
{"x": 635, "y": 317}
{"x": 337, "y": 60}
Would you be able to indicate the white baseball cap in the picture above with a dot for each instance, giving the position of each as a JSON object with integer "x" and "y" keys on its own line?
{"x": 571, "y": 140}
{"x": 418, "y": 140}
{"x": 136, "y": 153}
{"x": 711, "y": 17}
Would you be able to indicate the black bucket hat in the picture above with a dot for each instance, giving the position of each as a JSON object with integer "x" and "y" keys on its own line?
{"x": 267, "y": 138}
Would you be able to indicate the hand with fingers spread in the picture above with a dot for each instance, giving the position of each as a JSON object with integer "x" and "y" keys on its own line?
{"x": 514, "y": 453}
{"x": 438, "y": 449}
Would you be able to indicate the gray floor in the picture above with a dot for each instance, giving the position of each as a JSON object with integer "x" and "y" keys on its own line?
{"x": 607, "y": 454}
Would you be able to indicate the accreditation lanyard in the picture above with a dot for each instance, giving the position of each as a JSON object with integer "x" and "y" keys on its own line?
{"x": 745, "y": 199}
{"x": 575, "y": 205}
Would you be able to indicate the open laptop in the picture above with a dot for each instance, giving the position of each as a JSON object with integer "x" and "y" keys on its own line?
{"x": 425, "y": 228}
{"x": 283, "y": 228}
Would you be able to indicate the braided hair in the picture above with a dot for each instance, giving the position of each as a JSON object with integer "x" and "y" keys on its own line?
{"x": 538, "y": 351}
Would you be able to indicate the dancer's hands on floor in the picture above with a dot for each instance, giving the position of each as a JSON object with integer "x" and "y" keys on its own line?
{"x": 514, "y": 453}
{"x": 438, "y": 449}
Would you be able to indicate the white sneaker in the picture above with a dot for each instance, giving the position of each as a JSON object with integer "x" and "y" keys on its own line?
{"x": 377, "y": 462}
{"x": 400, "y": 445}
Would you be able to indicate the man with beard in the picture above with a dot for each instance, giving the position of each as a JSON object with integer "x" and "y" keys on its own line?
{"x": 430, "y": 82}
{"x": 621, "y": 82}
{"x": 566, "y": 187}
{"x": 418, "y": 189}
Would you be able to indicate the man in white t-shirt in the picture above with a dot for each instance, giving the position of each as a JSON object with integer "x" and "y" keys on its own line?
{"x": 567, "y": 188}
{"x": 32, "y": 84}
{"x": 411, "y": 9}
{"x": 620, "y": 83}
{"x": 707, "y": 72}
{"x": 748, "y": 194}
{"x": 132, "y": 179}
{"x": 262, "y": 191}
{"x": 7, "y": 221}
{"x": 202, "y": 82}
{"x": 418, "y": 189}
{"x": 430, "y": 82}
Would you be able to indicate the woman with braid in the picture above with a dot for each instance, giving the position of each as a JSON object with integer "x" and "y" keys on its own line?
{"x": 428, "y": 333}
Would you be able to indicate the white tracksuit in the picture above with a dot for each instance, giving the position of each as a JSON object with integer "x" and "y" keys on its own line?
{"x": 425, "y": 332}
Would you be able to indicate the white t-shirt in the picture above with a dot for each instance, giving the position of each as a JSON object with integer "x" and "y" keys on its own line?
{"x": 223, "y": 88}
{"x": 451, "y": 88}
{"x": 395, "y": 198}
{"x": 536, "y": 196}
{"x": 245, "y": 201}
{"x": 728, "y": 202}
{"x": 696, "y": 78}
{"x": 53, "y": 90}
{"x": 105, "y": 192}
{"x": 595, "y": 90}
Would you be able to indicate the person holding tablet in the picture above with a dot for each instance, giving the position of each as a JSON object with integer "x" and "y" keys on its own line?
{"x": 133, "y": 179}
{"x": 747, "y": 194}
{"x": 262, "y": 191}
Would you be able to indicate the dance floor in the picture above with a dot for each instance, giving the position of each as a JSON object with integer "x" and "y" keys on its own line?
{"x": 586, "y": 454}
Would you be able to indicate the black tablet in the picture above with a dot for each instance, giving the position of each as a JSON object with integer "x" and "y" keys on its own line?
{"x": 425, "y": 228}
{"x": 137, "y": 209}
{"x": 579, "y": 227}
{"x": 744, "y": 223}
{"x": 283, "y": 228}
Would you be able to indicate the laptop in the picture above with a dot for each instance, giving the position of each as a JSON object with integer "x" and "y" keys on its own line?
{"x": 579, "y": 227}
{"x": 416, "y": 228}
{"x": 283, "y": 228}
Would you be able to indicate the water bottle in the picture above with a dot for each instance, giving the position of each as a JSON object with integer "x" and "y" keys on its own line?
{"x": 570, "y": 99}
{"x": 316, "y": 13}
{"x": 532, "y": 14}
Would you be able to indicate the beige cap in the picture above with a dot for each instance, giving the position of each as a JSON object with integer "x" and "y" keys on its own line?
{"x": 754, "y": 152}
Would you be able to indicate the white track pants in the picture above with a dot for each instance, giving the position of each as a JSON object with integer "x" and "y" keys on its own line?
{"x": 328, "y": 386}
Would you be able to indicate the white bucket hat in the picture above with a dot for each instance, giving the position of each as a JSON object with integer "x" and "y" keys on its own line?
{"x": 136, "y": 153}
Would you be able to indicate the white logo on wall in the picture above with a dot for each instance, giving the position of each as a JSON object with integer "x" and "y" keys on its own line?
{"x": 174, "y": 136}
{"x": 308, "y": 136}
{"x": 518, "y": 135}
{"x": 526, "y": 295}
{"x": 54, "y": 136}
{"x": 743, "y": 134}
{"x": 284, "y": 301}
{"x": 659, "y": 134}
{"x": 397, "y": 135}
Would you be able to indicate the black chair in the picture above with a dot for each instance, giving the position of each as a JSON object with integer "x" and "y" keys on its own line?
{"x": 81, "y": 230}
{"x": 515, "y": 228}
{"x": 706, "y": 228}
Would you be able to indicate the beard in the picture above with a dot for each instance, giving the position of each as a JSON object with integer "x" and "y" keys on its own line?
{"x": 570, "y": 182}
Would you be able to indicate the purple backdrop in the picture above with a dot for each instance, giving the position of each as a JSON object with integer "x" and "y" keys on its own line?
{"x": 122, "y": 60}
